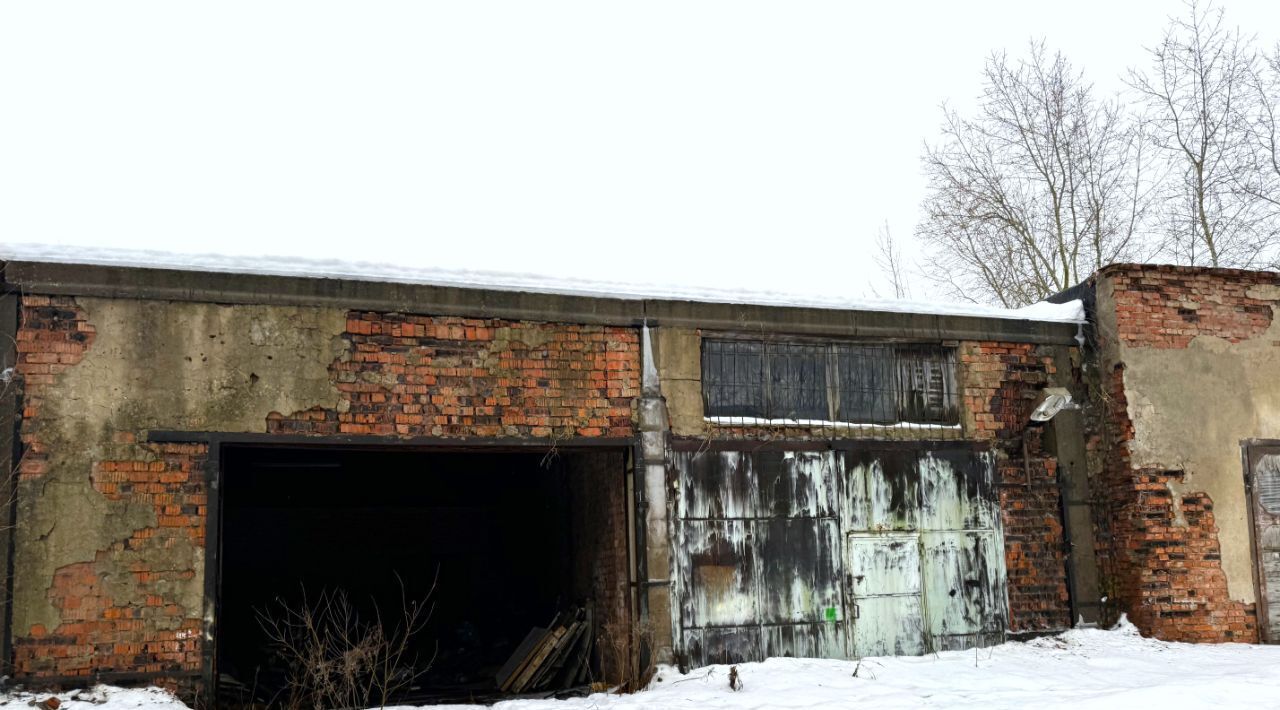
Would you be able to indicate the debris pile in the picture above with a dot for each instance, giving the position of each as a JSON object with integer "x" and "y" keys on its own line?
{"x": 552, "y": 658}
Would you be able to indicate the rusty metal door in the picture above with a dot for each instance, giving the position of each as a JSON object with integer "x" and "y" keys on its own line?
{"x": 1262, "y": 478}
{"x": 758, "y": 555}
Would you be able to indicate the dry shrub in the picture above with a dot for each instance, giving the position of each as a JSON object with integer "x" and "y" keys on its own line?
{"x": 334, "y": 658}
{"x": 622, "y": 647}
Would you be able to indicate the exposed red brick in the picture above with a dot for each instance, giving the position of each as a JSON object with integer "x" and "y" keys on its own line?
{"x": 1168, "y": 306}
{"x": 1161, "y": 565}
{"x": 1000, "y": 384}
{"x": 412, "y": 375}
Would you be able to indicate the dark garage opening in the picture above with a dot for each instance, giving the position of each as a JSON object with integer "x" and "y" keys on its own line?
{"x": 497, "y": 542}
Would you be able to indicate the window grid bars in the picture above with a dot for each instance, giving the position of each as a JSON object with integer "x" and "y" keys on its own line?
{"x": 881, "y": 390}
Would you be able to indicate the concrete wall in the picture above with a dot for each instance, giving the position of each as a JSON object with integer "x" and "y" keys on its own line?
{"x": 1189, "y": 365}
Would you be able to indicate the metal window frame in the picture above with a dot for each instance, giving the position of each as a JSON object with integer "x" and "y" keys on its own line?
{"x": 949, "y": 416}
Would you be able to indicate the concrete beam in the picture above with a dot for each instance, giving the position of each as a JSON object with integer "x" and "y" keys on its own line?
{"x": 235, "y": 288}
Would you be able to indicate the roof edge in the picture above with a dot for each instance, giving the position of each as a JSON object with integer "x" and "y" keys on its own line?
{"x": 54, "y": 278}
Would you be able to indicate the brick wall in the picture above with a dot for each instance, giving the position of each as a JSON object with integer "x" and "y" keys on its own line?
{"x": 1160, "y": 564}
{"x": 100, "y": 631}
{"x": 1167, "y": 306}
{"x": 150, "y": 631}
{"x": 1001, "y": 382}
{"x": 597, "y": 482}
{"x": 413, "y": 375}
{"x": 53, "y": 335}
{"x": 402, "y": 375}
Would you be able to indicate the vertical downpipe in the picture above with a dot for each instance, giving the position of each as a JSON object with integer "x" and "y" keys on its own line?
{"x": 10, "y": 455}
{"x": 651, "y": 505}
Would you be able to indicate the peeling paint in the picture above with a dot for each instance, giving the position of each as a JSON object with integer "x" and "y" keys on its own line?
{"x": 837, "y": 554}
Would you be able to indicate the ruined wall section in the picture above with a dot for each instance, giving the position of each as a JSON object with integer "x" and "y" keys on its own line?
{"x": 110, "y": 536}
{"x": 999, "y": 383}
{"x": 1189, "y": 366}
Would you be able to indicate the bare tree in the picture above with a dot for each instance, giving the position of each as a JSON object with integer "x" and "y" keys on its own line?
{"x": 1041, "y": 187}
{"x": 1261, "y": 178}
{"x": 889, "y": 258}
{"x": 1199, "y": 107}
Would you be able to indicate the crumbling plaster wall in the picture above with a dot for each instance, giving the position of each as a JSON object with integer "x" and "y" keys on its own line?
{"x": 99, "y": 374}
{"x": 1194, "y": 390}
{"x": 678, "y": 354}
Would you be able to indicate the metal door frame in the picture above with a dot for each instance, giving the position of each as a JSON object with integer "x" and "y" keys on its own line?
{"x": 1247, "y": 448}
{"x": 217, "y": 441}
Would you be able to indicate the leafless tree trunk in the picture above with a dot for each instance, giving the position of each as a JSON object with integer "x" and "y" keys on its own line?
{"x": 1199, "y": 105}
{"x": 1043, "y": 186}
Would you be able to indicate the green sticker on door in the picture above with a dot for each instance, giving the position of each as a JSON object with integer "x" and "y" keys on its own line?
{"x": 830, "y": 613}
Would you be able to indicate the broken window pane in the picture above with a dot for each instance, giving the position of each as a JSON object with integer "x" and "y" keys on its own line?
{"x": 927, "y": 385}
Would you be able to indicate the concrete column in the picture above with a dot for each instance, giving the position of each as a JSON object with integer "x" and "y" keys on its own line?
{"x": 1065, "y": 439}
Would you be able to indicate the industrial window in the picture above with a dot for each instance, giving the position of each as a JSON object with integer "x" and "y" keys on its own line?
{"x": 875, "y": 383}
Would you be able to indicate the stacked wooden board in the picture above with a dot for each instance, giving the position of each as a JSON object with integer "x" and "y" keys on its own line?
{"x": 551, "y": 658}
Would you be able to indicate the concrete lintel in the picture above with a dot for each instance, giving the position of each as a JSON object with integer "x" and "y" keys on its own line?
{"x": 235, "y": 288}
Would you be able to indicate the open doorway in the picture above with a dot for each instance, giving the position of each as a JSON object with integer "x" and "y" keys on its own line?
{"x": 494, "y": 543}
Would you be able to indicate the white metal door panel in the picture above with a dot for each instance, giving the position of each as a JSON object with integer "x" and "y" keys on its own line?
{"x": 883, "y": 578}
{"x": 963, "y": 588}
{"x": 884, "y": 564}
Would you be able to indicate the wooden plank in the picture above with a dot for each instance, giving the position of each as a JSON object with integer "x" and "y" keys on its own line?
{"x": 551, "y": 668}
{"x": 572, "y": 661}
{"x": 513, "y": 683}
{"x": 535, "y": 662}
{"x": 584, "y": 668}
{"x": 519, "y": 656}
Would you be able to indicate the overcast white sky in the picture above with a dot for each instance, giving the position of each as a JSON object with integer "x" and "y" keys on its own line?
{"x": 723, "y": 144}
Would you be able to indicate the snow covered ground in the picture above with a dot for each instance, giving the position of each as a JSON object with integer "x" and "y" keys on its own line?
{"x": 101, "y": 698}
{"x": 1083, "y": 668}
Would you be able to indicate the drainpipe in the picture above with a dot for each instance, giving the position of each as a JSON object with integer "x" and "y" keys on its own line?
{"x": 10, "y": 420}
{"x": 653, "y": 537}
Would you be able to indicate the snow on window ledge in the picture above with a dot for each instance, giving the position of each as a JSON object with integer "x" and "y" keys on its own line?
{"x": 761, "y": 421}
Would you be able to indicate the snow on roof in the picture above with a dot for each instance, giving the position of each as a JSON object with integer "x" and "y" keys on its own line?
{"x": 1070, "y": 312}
